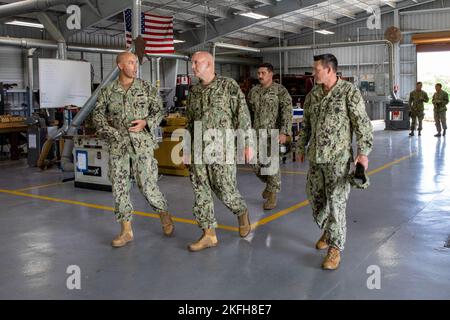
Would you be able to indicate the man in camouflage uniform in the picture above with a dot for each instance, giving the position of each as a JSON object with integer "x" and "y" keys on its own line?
{"x": 127, "y": 112}
{"x": 416, "y": 100}
{"x": 333, "y": 111}
{"x": 215, "y": 103}
{"x": 440, "y": 100}
{"x": 270, "y": 106}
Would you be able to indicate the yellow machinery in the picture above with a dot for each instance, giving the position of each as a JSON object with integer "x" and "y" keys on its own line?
{"x": 164, "y": 153}
{"x": 11, "y": 127}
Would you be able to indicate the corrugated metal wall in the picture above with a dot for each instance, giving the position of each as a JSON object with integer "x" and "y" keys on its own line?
{"x": 360, "y": 62}
{"x": 372, "y": 59}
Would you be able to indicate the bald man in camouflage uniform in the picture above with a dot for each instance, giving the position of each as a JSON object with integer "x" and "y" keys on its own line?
{"x": 440, "y": 101}
{"x": 215, "y": 103}
{"x": 333, "y": 111}
{"x": 416, "y": 100}
{"x": 270, "y": 106}
{"x": 127, "y": 112}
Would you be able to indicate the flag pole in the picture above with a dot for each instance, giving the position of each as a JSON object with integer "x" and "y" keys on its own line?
{"x": 136, "y": 29}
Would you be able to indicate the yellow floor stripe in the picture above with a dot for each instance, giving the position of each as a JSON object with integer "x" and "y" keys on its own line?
{"x": 282, "y": 171}
{"x": 306, "y": 202}
{"x": 280, "y": 214}
{"x": 390, "y": 164}
{"x": 182, "y": 220}
{"x": 40, "y": 186}
{"x": 106, "y": 208}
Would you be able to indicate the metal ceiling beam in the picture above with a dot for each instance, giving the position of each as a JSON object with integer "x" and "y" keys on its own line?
{"x": 391, "y": 4}
{"x": 107, "y": 8}
{"x": 343, "y": 12}
{"x": 362, "y": 16}
{"x": 321, "y": 15}
{"x": 264, "y": 37}
{"x": 248, "y": 36}
{"x": 294, "y": 24}
{"x": 177, "y": 16}
{"x": 188, "y": 7}
{"x": 274, "y": 31}
{"x": 236, "y": 23}
{"x": 267, "y": 2}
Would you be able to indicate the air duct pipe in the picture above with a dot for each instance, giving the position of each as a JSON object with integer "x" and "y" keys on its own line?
{"x": 136, "y": 28}
{"x": 28, "y": 6}
{"x": 51, "y": 45}
{"x": 66, "y": 158}
{"x": 30, "y": 71}
{"x": 54, "y": 33}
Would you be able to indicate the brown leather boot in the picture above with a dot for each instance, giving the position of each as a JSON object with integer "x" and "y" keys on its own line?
{"x": 332, "y": 259}
{"x": 207, "y": 240}
{"x": 167, "y": 223}
{"x": 244, "y": 224}
{"x": 125, "y": 236}
{"x": 271, "y": 201}
{"x": 322, "y": 243}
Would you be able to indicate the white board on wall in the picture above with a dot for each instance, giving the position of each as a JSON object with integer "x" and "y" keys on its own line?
{"x": 64, "y": 82}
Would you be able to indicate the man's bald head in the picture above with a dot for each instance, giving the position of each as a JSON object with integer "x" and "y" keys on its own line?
{"x": 203, "y": 55}
{"x": 203, "y": 65}
{"x": 127, "y": 63}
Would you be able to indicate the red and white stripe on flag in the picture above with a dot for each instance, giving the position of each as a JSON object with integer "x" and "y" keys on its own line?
{"x": 157, "y": 31}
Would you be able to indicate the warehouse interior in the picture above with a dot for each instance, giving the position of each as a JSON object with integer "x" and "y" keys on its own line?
{"x": 55, "y": 218}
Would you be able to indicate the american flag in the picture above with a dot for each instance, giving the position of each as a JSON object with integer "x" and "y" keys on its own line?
{"x": 157, "y": 31}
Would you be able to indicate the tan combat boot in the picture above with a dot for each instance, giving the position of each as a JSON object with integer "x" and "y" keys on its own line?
{"x": 207, "y": 240}
{"x": 322, "y": 243}
{"x": 332, "y": 259}
{"x": 125, "y": 236}
{"x": 244, "y": 224}
{"x": 167, "y": 223}
{"x": 271, "y": 201}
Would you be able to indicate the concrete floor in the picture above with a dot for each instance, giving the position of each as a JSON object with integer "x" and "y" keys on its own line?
{"x": 400, "y": 224}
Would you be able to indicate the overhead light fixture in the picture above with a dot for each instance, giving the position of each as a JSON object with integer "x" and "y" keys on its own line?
{"x": 253, "y": 15}
{"x": 178, "y": 41}
{"x": 323, "y": 31}
{"x": 26, "y": 24}
{"x": 236, "y": 47}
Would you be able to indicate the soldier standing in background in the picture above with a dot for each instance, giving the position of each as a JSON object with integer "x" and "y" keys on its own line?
{"x": 416, "y": 100}
{"x": 333, "y": 111}
{"x": 216, "y": 103}
{"x": 440, "y": 100}
{"x": 127, "y": 112}
{"x": 270, "y": 107}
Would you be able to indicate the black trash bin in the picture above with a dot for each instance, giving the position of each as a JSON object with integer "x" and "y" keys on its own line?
{"x": 397, "y": 115}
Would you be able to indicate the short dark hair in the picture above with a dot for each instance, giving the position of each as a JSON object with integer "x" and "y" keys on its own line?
{"x": 327, "y": 60}
{"x": 267, "y": 65}
{"x": 438, "y": 84}
{"x": 418, "y": 83}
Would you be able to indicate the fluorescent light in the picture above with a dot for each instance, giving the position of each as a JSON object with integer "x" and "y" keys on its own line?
{"x": 178, "y": 41}
{"x": 253, "y": 15}
{"x": 26, "y": 24}
{"x": 323, "y": 31}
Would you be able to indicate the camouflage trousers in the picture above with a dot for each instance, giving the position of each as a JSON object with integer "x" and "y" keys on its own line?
{"x": 273, "y": 182}
{"x": 144, "y": 168}
{"x": 327, "y": 188}
{"x": 441, "y": 120}
{"x": 220, "y": 179}
{"x": 416, "y": 117}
